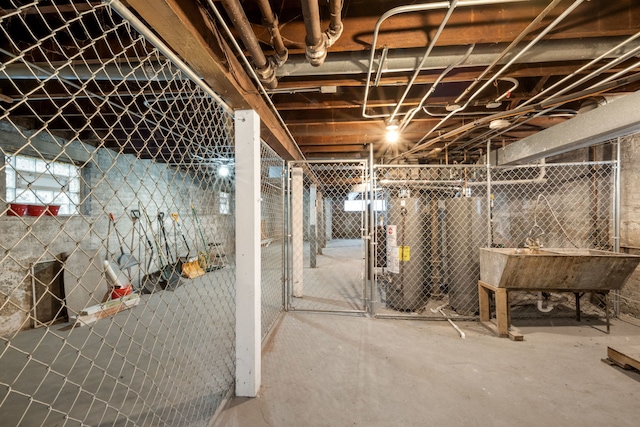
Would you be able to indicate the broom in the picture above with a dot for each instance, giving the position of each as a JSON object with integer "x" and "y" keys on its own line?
{"x": 190, "y": 269}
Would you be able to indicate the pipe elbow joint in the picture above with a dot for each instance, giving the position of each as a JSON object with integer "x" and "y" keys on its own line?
{"x": 333, "y": 33}
{"x": 318, "y": 53}
{"x": 279, "y": 58}
{"x": 267, "y": 76}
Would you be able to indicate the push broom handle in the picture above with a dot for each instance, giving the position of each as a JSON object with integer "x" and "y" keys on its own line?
{"x": 184, "y": 239}
{"x": 195, "y": 215}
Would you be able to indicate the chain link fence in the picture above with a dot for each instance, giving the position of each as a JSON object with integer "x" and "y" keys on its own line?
{"x": 117, "y": 204}
{"x": 272, "y": 236}
{"x": 328, "y": 206}
{"x": 431, "y": 220}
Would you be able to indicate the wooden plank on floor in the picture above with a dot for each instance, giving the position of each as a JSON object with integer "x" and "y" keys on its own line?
{"x": 626, "y": 357}
{"x": 108, "y": 309}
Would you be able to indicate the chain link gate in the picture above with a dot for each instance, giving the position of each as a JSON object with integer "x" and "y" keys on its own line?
{"x": 272, "y": 237}
{"x": 327, "y": 218}
{"x": 117, "y": 273}
{"x": 429, "y": 222}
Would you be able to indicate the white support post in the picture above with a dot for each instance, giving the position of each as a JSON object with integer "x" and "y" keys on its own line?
{"x": 248, "y": 261}
{"x": 328, "y": 219}
{"x": 313, "y": 226}
{"x": 297, "y": 243}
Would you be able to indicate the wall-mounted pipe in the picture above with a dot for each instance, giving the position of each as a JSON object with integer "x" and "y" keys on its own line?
{"x": 316, "y": 41}
{"x": 271, "y": 22}
{"x": 265, "y": 69}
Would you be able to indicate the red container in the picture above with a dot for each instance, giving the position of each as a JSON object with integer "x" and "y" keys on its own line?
{"x": 17, "y": 209}
{"x": 121, "y": 292}
{"x": 52, "y": 210}
{"x": 36, "y": 210}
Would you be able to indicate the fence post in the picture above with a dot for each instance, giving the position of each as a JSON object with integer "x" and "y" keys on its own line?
{"x": 297, "y": 246}
{"x": 248, "y": 260}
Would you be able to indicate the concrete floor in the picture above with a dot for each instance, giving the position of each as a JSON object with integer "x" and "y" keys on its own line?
{"x": 337, "y": 370}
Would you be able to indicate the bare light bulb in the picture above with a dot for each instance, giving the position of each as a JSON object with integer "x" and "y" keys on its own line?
{"x": 223, "y": 171}
{"x": 392, "y": 136}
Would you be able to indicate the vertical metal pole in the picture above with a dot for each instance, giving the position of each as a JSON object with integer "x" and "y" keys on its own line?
{"x": 285, "y": 232}
{"x": 313, "y": 225}
{"x": 372, "y": 236}
{"x": 297, "y": 240}
{"x": 489, "y": 219}
{"x": 616, "y": 216}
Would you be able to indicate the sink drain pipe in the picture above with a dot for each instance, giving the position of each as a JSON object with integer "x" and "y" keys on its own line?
{"x": 541, "y": 300}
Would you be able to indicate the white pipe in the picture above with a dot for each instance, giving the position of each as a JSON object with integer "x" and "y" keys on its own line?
{"x": 439, "y": 310}
{"x": 432, "y": 43}
{"x": 508, "y": 92}
{"x": 546, "y": 309}
{"x": 543, "y": 33}
{"x": 111, "y": 276}
{"x": 586, "y": 66}
{"x": 532, "y": 25}
{"x": 414, "y": 8}
{"x": 126, "y": 14}
{"x": 407, "y": 119}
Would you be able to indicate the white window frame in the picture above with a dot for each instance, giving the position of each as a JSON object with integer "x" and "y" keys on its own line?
{"x": 32, "y": 180}
{"x": 224, "y": 200}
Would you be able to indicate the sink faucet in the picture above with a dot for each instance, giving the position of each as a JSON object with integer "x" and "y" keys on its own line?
{"x": 532, "y": 243}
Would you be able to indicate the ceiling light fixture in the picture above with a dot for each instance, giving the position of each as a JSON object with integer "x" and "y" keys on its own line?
{"x": 499, "y": 124}
{"x": 392, "y": 133}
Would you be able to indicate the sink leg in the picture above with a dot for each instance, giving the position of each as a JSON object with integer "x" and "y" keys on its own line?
{"x": 606, "y": 307}
{"x": 502, "y": 311}
{"x": 485, "y": 310}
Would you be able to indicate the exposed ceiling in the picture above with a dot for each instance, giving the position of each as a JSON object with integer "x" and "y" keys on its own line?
{"x": 495, "y": 69}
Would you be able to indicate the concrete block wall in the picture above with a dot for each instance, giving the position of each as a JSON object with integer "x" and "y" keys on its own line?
{"x": 117, "y": 183}
{"x": 630, "y": 219}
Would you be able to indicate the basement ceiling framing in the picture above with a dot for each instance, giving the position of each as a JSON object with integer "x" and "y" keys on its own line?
{"x": 558, "y": 58}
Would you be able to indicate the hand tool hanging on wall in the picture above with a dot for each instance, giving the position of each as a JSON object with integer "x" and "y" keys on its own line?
{"x": 206, "y": 259}
{"x": 125, "y": 259}
{"x": 142, "y": 232}
{"x": 190, "y": 268}
{"x": 171, "y": 269}
{"x": 110, "y": 275}
{"x": 164, "y": 279}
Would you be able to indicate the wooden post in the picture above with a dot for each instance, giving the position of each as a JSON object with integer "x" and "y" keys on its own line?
{"x": 248, "y": 260}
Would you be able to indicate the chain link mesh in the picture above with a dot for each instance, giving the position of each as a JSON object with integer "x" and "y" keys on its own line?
{"x": 433, "y": 219}
{"x": 328, "y": 208}
{"x": 118, "y": 308}
{"x": 272, "y": 236}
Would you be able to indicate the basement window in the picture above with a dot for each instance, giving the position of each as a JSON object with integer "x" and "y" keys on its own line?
{"x": 34, "y": 181}
{"x": 362, "y": 205}
{"x": 225, "y": 208}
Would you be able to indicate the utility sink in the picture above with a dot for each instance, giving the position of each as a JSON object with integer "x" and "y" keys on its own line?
{"x": 556, "y": 269}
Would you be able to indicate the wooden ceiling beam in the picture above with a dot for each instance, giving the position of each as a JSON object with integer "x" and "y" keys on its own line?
{"x": 482, "y": 24}
{"x": 180, "y": 23}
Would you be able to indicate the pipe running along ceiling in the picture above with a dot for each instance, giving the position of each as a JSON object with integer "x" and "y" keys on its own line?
{"x": 339, "y": 72}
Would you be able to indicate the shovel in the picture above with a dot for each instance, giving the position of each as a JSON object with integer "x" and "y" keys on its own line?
{"x": 125, "y": 260}
{"x": 170, "y": 268}
{"x": 190, "y": 269}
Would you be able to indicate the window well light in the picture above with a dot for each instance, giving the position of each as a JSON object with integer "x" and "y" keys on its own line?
{"x": 223, "y": 171}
